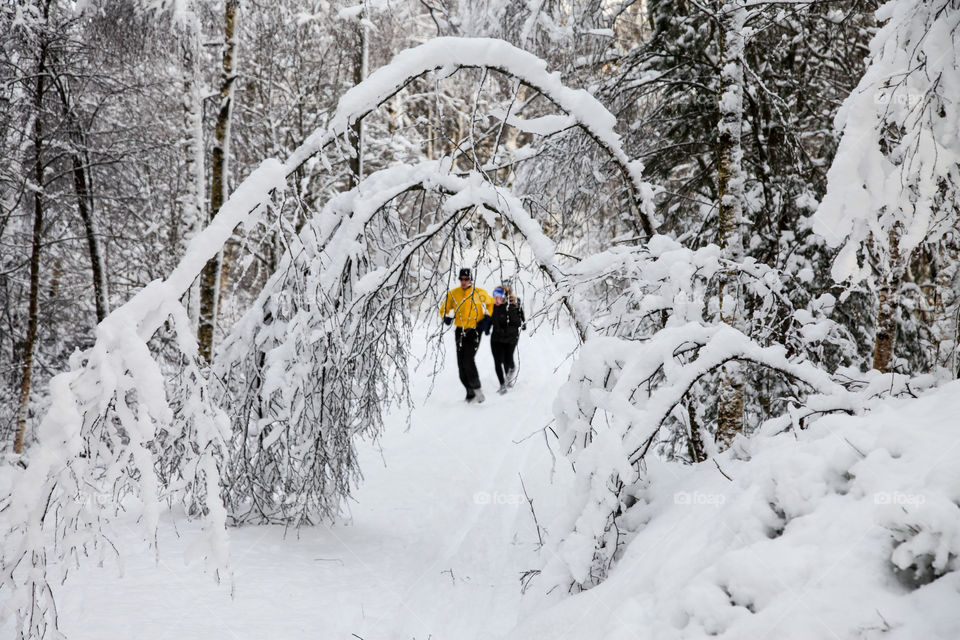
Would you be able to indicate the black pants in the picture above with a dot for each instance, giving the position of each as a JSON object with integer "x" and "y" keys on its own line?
{"x": 502, "y": 358}
{"x": 468, "y": 341}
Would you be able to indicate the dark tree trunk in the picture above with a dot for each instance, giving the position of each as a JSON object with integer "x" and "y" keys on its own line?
{"x": 695, "y": 446}
{"x": 85, "y": 209}
{"x": 356, "y": 129}
{"x": 82, "y": 183}
{"x": 33, "y": 313}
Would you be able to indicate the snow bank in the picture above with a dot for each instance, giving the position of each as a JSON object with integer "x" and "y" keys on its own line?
{"x": 849, "y": 529}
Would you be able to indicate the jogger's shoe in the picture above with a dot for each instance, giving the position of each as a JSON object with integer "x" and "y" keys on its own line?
{"x": 503, "y": 389}
{"x": 478, "y": 398}
{"x": 511, "y": 377}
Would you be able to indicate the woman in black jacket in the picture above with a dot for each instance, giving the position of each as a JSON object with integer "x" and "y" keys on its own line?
{"x": 508, "y": 321}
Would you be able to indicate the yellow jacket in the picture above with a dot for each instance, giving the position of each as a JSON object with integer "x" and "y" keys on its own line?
{"x": 469, "y": 305}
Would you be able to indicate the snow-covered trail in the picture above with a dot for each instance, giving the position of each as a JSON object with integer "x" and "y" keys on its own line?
{"x": 434, "y": 546}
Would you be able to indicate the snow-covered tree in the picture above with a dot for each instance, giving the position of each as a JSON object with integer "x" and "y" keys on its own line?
{"x": 893, "y": 183}
{"x": 124, "y": 422}
{"x": 662, "y": 189}
{"x": 210, "y": 284}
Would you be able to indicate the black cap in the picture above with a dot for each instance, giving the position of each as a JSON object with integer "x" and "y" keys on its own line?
{"x": 465, "y": 273}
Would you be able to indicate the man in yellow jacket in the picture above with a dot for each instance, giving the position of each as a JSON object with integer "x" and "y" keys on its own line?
{"x": 471, "y": 308}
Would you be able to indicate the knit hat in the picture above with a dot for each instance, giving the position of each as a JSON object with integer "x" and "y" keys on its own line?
{"x": 499, "y": 292}
{"x": 465, "y": 273}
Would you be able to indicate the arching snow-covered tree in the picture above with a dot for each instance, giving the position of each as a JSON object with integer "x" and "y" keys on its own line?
{"x": 640, "y": 384}
{"x": 115, "y": 425}
{"x": 323, "y": 351}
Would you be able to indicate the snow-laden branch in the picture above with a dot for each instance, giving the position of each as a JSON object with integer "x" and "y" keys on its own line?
{"x": 898, "y": 161}
{"x": 448, "y": 54}
{"x": 664, "y": 284}
{"x": 618, "y": 396}
{"x": 716, "y": 346}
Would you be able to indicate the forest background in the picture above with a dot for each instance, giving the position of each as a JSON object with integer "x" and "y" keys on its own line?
{"x": 775, "y": 215}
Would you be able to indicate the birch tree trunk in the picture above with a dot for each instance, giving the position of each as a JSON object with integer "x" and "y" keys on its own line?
{"x": 217, "y": 269}
{"x": 946, "y": 309}
{"x": 356, "y": 130}
{"x": 194, "y": 198}
{"x": 888, "y": 301}
{"x": 730, "y": 183}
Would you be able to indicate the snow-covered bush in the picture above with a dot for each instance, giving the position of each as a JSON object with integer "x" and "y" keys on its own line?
{"x": 809, "y": 534}
{"x": 664, "y": 342}
{"x": 644, "y": 380}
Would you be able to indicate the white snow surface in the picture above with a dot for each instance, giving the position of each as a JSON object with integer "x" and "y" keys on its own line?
{"x": 434, "y": 544}
{"x": 800, "y": 542}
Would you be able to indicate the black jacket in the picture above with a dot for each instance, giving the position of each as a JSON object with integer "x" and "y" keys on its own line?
{"x": 507, "y": 319}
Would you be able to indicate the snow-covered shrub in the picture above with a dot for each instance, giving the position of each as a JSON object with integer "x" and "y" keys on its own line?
{"x": 113, "y": 436}
{"x": 610, "y": 413}
{"x": 121, "y": 430}
{"x": 644, "y": 379}
{"x": 800, "y": 535}
{"x": 315, "y": 362}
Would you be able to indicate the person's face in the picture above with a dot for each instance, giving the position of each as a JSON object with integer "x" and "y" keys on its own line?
{"x": 465, "y": 282}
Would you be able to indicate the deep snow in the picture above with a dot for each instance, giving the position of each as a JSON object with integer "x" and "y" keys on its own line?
{"x": 433, "y": 546}
{"x": 835, "y": 533}
{"x": 799, "y": 543}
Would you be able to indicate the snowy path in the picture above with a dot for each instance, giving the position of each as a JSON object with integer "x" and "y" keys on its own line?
{"x": 434, "y": 549}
